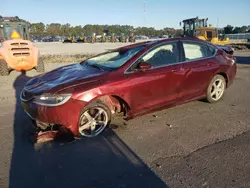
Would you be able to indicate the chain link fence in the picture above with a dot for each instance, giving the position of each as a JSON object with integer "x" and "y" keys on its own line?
{"x": 239, "y": 36}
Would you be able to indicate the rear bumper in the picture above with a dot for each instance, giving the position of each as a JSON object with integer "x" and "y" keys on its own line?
{"x": 66, "y": 115}
{"x": 231, "y": 74}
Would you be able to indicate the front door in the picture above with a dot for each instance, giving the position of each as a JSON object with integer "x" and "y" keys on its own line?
{"x": 159, "y": 85}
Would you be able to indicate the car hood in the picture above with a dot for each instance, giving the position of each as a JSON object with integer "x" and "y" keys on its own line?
{"x": 61, "y": 78}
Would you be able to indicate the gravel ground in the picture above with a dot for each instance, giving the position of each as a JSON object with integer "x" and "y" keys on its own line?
{"x": 57, "y": 52}
{"x": 59, "y": 48}
{"x": 75, "y": 48}
{"x": 192, "y": 145}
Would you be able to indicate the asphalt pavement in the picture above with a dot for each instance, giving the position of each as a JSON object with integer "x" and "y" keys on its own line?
{"x": 193, "y": 145}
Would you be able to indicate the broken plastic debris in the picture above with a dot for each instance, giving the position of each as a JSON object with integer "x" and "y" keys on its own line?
{"x": 169, "y": 125}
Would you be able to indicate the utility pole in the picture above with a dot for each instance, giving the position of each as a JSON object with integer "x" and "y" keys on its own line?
{"x": 144, "y": 13}
{"x": 217, "y": 26}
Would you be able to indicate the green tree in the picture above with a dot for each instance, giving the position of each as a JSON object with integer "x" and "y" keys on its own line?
{"x": 78, "y": 30}
{"x": 237, "y": 30}
{"x": 53, "y": 29}
{"x": 228, "y": 29}
{"x": 37, "y": 28}
{"x": 65, "y": 29}
{"x": 243, "y": 29}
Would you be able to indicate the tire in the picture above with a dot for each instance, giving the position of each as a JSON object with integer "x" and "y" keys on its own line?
{"x": 86, "y": 124}
{"x": 214, "y": 92}
{"x": 40, "y": 65}
{"x": 4, "y": 69}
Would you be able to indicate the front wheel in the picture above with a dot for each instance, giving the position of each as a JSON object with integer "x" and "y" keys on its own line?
{"x": 216, "y": 89}
{"x": 94, "y": 119}
{"x": 4, "y": 70}
{"x": 40, "y": 65}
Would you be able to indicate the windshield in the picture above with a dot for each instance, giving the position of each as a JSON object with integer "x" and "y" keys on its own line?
{"x": 114, "y": 59}
{"x": 8, "y": 31}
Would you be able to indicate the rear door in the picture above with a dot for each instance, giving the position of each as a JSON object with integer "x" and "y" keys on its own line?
{"x": 199, "y": 67}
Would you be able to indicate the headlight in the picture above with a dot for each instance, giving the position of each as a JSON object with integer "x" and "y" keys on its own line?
{"x": 52, "y": 99}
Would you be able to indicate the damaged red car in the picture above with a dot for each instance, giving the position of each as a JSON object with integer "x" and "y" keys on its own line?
{"x": 131, "y": 80}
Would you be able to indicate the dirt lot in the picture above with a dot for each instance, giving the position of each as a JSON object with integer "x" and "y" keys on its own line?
{"x": 57, "y": 52}
{"x": 76, "y": 48}
{"x": 192, "y": 145}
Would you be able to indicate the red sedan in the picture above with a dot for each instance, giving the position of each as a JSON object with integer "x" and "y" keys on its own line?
{"x": 132, "y": 80}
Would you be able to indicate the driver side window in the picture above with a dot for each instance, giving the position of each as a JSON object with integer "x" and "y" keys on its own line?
{"x": 166, "y": 54}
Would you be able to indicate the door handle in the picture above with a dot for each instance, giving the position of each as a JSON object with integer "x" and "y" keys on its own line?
{"x": 177, "y": 70}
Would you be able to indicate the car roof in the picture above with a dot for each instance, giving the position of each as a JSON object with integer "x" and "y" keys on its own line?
{"x": 180, "y": 38}
{"x": 150, "y": 43}
{"x": 158, "y": 41}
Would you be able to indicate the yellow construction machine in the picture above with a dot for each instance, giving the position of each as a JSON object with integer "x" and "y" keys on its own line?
{"x": 198, "y": 28}
{"x": 123, "y": 38}
{"x": 104, "y": 38}
{"x": 82, "y": 39}
{"x": 131, "y": 37}
{"x": 17, "y": 52}
{"x": 113, "y": 38}
{"x": 70, "y": 39}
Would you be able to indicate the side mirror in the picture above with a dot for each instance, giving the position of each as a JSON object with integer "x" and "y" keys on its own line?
{"x": 144, "y": 66}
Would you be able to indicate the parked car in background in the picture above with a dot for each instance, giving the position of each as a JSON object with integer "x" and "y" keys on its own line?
{"x": 132, "y": 80}
{"x": 47, "y": 39}
{"x": 141, "y": 37}
{"x": 36, "y": 39}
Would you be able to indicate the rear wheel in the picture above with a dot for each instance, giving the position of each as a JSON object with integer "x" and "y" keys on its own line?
{"x": 4, "y": 69}
{"x": 216, "y": 89}
{"x": 40, "y": 65}
{"x": 94, "y": 119}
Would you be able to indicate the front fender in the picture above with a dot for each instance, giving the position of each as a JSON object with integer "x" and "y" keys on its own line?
{"x": 89, "y": 95}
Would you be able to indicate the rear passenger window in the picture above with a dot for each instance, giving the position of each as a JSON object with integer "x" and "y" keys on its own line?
{"x": 210, "y": 51}
{"x": 197, "y": 50}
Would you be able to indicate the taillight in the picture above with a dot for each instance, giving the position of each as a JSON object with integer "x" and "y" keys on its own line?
{"x": 231, "y": 60}
{"x": 225, "y": 58}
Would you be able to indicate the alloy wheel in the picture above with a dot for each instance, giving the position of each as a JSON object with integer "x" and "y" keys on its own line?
{"x": 217, "y": 89}
{"x": 93, "y": 121}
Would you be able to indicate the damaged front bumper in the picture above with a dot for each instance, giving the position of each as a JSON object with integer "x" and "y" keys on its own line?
{"x": 50, "y": 120}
